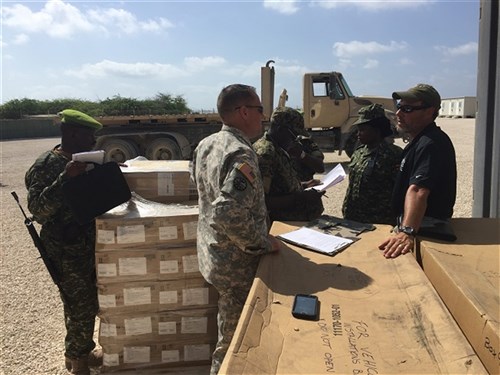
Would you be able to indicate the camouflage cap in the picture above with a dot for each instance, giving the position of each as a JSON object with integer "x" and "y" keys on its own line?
{"x": 74, "y": 117}
{"x": 291, "y": 118}
{"x": 421, "y": 92}
{"x": 369, "y": 113}
{"x": 374, "y": 115}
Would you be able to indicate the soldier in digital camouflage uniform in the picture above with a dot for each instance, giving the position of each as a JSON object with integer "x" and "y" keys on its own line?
{"x": 372, "y": 170}
{"x": 286, "y": 197}
{"x": 233, "y": 224}
{"x": 311, "y": 161}
{"x": 69, "y": 245}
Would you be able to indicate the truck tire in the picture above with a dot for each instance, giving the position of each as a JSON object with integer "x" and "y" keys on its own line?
{"x": 163, "y": 149}
{"x": 119, "y": 150}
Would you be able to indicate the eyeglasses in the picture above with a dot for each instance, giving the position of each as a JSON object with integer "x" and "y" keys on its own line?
{"x": 410, "y": 108}
{"x": 259, "y": 108}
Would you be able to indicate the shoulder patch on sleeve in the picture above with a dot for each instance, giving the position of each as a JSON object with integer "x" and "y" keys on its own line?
{"x": 247, "y": 171}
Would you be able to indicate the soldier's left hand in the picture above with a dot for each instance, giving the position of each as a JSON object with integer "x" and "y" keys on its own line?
{"x": 396, "y": 245}
{"x": 75, "y": 168}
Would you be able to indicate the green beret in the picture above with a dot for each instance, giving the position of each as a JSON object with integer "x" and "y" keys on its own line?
{"x": 72, "y": 116}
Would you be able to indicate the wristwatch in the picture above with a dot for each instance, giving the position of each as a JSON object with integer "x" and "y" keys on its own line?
{"x": 407, "y": 230}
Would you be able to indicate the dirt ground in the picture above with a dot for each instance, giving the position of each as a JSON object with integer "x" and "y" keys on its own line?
{"x": 32, "y": 327}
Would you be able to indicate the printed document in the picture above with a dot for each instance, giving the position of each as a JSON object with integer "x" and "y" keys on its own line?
{"x": 332, "y": 178}
{"x": 313, "y": 240}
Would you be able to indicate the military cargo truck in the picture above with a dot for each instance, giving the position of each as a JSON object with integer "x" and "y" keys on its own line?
{"x": 329, "y": 109}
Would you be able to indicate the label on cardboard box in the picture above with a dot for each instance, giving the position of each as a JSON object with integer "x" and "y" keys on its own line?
{"x": 137, "y": 296}
{"x": 165, "y": 184}
{"x": 106, "y": 270}
{"x": 106, "y": 237}
{"x": 130, "y": 234}
{"x": 107, "y": 329}
{"x": 110, "y": 360}
{"x": 138, "y": 326}
{"x": 196, "y": 352}
{"x": 167, "y": 328}
{"x": 107, "y": 300}
{"x": 132, "y": 266}
{"x": 168, "y": 233}
{"x": 195, "y": 296}
{"x": 136, "y": 354}
{"x": 170, "y": 356}
{"x": 169, "y": 266}
{"x": 194, "y": 324}
{"x": 190, "y": 230}
{"x": 167, "y": 297}
{"x": 190, "y": 263}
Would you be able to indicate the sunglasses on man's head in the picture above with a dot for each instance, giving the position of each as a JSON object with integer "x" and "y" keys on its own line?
{"x": 406, "y": 108}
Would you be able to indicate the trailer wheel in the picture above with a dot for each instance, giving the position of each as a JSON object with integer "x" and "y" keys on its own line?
{"x": 119, "y": 150}
{"x": 163, "y": 149}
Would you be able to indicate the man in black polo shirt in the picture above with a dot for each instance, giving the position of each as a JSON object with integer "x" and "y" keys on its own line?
{"x": 426, "y": 183}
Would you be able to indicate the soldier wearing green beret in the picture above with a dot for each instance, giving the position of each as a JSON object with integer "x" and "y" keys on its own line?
{"x": 372, "y": 170}
{"x": 69, "y": 245}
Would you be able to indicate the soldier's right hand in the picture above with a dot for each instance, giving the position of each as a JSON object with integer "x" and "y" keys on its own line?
{"x": 75, "y": 168}
{"x": 312, "y": 196}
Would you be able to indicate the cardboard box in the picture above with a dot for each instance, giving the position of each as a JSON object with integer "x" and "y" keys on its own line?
{"x": 166, "y": 181}
{"x": 171, "y": 326}
{"x": 377, "y": 316}
{"x": 140, "y": 223}
{"x": 139, "y": 355}
{"x": 155, "y": 296}
{"x": 142, "y": 265}
{"x": 466, "y": 273}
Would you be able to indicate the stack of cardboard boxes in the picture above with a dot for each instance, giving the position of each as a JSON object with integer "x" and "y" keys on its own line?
{"x": 155, "y": 308}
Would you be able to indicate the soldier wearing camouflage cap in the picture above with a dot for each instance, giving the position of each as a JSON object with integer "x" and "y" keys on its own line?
{"x": 69, "y": 244}
{"x": 286, "y": 197}
{"x": 307, "y": 158}
{"x": 372, "y": 170}
{"x": 425, "y": 187}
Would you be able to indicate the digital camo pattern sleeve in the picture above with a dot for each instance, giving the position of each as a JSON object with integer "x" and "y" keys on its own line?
{"x": 44, "y": 181}
{"x": 240, "y": 209}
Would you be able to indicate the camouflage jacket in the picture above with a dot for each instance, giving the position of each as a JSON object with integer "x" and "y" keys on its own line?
{"x": 233, "y": 224}
{"x": 372, "y": 174}
{"x": 280, "y": 178}
{"x": 44, "y": 182}
{"x": 305, "y": 173}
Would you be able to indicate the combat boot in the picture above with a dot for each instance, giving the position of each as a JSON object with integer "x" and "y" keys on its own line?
{"x": 79, "y": 366}
{"x": 95, "y": 359}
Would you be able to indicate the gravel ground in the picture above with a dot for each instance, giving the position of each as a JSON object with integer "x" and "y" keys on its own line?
{"x": 32, "y": 328}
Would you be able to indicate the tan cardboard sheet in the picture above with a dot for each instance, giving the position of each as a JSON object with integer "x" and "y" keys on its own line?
{"x": 465, "y": 273}
{"x": 377, "y": 316}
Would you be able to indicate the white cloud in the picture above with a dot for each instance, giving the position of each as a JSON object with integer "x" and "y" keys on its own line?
{"x": 282, "y": 6}
{"x": 357, "y": 48}
{"x": 370, "y": 64}
{"x": 372, "y": 5}
{"x": 107, "y": 68}
{"x": 21, "y": 39}
{"x": 464, "y": 49}
{"x": 201, "y": 63}
{"x": 406, "y": 61}
{"x": 63, "y": 20}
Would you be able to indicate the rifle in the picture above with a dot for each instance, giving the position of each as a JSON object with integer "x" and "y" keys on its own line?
{"x": 30, "y": 225}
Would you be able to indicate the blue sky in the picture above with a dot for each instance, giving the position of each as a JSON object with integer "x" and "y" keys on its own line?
{"x": 98, "y": 49}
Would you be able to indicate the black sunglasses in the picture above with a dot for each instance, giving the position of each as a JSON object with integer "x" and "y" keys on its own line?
{"x": 259, "y": 108}
{"x": 410, "y": 108}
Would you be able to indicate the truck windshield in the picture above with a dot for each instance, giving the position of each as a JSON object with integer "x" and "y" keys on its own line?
{"x": 346, "y": 86}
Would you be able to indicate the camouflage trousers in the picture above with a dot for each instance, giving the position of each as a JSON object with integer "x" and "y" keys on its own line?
{"x": 230, "y": 304}
{"x": 76, "y": 265}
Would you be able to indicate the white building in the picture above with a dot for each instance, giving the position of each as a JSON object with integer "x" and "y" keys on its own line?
{"x": 465, "y": 106}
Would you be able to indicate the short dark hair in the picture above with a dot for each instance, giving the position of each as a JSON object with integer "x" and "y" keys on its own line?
{"x": 232, "y": 96}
